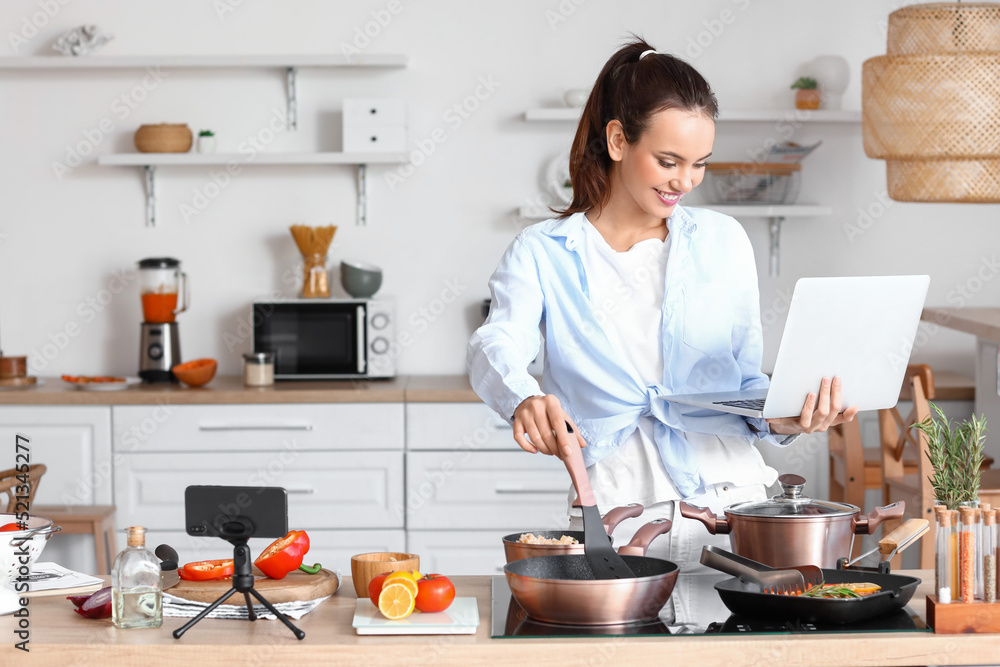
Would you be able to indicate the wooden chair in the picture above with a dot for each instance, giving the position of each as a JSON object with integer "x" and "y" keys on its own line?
{"x": 895, "y": 432}
{"x": 96, "y": 520}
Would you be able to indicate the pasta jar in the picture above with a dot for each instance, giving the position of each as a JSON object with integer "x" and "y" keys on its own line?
{"x": 258, "y": 369}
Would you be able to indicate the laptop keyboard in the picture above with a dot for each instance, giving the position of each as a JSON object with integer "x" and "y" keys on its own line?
{"x": 746, "y": 404}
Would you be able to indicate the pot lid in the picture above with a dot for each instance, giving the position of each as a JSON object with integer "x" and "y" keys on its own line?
{"x": 791, "y": 503}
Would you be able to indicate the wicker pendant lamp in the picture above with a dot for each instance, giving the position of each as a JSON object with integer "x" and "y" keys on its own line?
{"x": 931, "y": 105}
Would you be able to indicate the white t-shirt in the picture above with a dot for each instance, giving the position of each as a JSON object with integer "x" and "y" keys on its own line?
{"x": 626, "y": 292}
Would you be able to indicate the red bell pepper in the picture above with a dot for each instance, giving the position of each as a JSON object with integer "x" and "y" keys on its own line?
{"x": 206, "y": 570}
{"x": 283, "y": 555}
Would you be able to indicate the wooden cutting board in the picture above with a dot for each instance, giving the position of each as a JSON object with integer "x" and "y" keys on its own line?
{"x": 296, "y": 586}
{"x": 28, "y": 381}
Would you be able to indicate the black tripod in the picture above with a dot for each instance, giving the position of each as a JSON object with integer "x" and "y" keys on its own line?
{"x": 242, "y": 583}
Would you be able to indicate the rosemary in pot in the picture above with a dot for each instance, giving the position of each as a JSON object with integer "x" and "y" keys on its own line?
{"x": 956, "y": 454}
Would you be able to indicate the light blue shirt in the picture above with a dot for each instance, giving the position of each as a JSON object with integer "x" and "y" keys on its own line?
{"x": 711, "y": 338}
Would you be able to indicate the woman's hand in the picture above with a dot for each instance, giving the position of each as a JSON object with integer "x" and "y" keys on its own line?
{"x": 540, "y": 426}
{"x": 818, "y": 414}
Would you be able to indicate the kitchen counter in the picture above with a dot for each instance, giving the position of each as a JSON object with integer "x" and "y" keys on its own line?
{"x": 224, "y": 389}
{"x": 59, "y": 636}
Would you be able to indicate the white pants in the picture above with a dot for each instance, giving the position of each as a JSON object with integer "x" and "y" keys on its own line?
{"x": 694, "y": 599}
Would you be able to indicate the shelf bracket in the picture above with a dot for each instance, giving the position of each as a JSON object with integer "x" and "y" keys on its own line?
{"x": 150, "y": 173}
{"x": 362, "y": 216}
{"x": 775, "y": 225}
{"x": 291, "y": 74}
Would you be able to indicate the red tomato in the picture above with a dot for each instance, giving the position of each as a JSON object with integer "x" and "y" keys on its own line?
{"x": 375, "y": 587}
{"x": 9, "y": 526}
{"x": 206, "y": 570}
{"x": 434, "y": 593}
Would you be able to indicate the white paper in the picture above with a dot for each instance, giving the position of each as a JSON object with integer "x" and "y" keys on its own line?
{"x": 50, "y": 576}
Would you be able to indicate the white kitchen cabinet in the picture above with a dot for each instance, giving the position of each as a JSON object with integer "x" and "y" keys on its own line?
{"x": 331, "y": 548}
{"x": 456, "y": 426}
{"x": 285, "y": 427}
{"x": 325, "y": 489}
{"x": 74, "y": 443}
{"x": 477, "y": 490}
{"x": 458, "y": 552}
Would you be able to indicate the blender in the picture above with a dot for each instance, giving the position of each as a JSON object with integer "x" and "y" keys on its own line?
{"x": 161, "y": 282}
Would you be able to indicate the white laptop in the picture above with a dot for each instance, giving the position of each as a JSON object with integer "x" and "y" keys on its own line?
{"x": 860, "y": 328}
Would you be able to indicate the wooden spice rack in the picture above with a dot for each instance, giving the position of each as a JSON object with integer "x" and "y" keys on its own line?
{"x": 960, "y": 617}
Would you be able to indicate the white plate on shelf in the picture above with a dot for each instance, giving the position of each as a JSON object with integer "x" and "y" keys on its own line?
{"x": 105, "y": 386}
{"x": 461, "y": 618}
{"x": 38, "y": 383}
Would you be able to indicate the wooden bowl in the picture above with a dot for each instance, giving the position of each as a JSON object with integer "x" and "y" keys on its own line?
{"x": 164, "y": 138}
{"x": 13, "y": 367}
{"x": 196, "y": 373}
{"x": 365, "y": 567}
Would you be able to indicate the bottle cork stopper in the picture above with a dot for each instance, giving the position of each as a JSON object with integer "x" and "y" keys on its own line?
{"x": 136, "y": 536}
{"x": 939, "y": 511}
{"x": 985, "y": 506}
{"x": 967, "y": 515}
{"x": 989, "y": 517}
{"x": 946, "y": 518}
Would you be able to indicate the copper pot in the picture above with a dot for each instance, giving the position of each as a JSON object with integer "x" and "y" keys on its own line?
{"x": 515, "y": 550}
{"x": 791, "y": 529}
{"x": 561, "y": 589}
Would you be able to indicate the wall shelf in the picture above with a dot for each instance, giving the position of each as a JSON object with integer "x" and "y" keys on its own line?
{"x": 150, "y": 161}
{"x": 748, "y": 116}
{"x": 775, "y": 215}
{"x": 289, "y": 64}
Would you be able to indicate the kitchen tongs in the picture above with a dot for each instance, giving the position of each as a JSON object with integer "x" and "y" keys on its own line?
{"x": 770, "y": 580}
{"x": 896, "y": 541}
{"x": 604, "y": 561}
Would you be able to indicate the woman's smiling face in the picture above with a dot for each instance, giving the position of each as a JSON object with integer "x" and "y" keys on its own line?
{"x": 667, "y": 161}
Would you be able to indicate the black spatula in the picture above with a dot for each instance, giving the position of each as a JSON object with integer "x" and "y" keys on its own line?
{"x": 603, "y": 559}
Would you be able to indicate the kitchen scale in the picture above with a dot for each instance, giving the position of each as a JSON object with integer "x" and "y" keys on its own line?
{"x": 510, "y": 620}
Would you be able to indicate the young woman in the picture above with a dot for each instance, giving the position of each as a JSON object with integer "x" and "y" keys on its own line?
{"x": 637, "y": 297}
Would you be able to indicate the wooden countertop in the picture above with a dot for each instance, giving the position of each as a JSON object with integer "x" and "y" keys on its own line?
{"x": 223, "y": 389}
{"x": 59, "y": 636}
{"x": 981, "y": 322}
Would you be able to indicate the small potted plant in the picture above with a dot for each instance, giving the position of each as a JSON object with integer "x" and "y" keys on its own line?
{"x": 806, "y": 93}
{"x": 956, "y": 454}
{"x": 206, "y": 141}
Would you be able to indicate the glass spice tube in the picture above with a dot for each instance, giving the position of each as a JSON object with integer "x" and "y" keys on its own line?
{"x": 944, "y": 541}
{"x": 953, "y": 550}
{"x": 967, "y": 554}
{"x": 989, "y": 544}
{"x": 977, "y": 529}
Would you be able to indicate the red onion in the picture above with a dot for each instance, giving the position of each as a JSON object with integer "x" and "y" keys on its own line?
{"x": 98, "y": 605}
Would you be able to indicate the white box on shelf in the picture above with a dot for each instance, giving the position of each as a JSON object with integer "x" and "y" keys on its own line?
{"x": 374, "y": 111}
{"x": 374, "y": 138}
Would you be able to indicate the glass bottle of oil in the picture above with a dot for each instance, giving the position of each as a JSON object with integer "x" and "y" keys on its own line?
{"x": 136, "y": 593}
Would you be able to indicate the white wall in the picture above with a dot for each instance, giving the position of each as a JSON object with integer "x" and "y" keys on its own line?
{"x": 63, "y": 241}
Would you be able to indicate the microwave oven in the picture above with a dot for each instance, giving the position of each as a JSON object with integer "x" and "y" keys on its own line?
{"x": 326, "y": 339}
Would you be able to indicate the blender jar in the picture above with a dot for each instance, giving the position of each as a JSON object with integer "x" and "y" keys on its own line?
{"x": 160, "y": 282}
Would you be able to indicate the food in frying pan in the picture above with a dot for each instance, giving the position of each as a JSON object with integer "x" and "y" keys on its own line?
{"x": 531, "y": 538}
{"x": 843, "y": 591}
{"x": 85, "y": 379}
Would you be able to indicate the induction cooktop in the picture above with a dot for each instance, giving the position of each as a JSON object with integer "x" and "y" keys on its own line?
{"x": 510, "y": 620}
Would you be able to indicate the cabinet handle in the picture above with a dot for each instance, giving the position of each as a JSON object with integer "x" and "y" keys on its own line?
{"x": 517, "y": 490}
{"x": 255, "y": 427}
{"x": 301, "y": 489}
